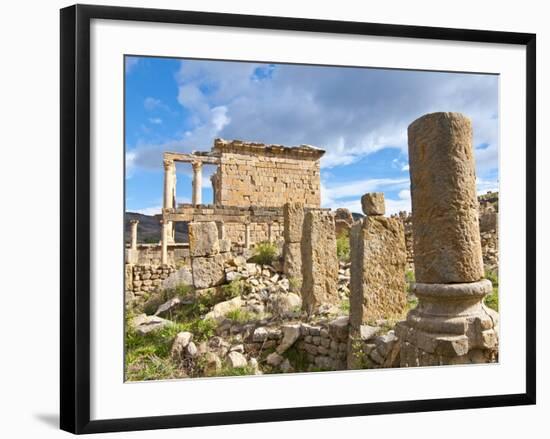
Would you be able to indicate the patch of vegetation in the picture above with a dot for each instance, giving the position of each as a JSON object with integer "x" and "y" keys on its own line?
{"x": 360, "y": 358}
{"x": 344, "y": 306}
{"x": 233, "y": 289}
{"x": 241, "y": 315}
{"x": 298, "y": 359}
{"x": 412, "y": 301}
{"x": 294, "y": 284}
{"x": 342, "y": 247}
{"x": 153, "y": 301}
{"x": 491, "y": 300}
{"x": 410, "y": 279}
{"x": 228, "y": 371}
{"x": 264, "y": 253}
{"x": 148, "y": 356}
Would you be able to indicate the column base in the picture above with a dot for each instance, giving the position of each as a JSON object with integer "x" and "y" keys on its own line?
{"x": 450, "y": 325}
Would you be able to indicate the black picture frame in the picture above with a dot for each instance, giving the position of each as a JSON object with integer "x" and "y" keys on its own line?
{"x": 75, "y": 217}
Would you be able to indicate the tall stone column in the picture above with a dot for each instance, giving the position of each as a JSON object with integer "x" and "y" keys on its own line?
{"x": 451, "y": 324}
{"x": 197, "y": 183}
{"x": 169, "y": 199}
{"x": 169, "y": 184}
{"x": 133, "y": 228}
{"x": 270, "y": 231}
{"x": 165, "y": 236}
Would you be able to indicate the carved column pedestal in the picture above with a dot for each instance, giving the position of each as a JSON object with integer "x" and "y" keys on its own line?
{"x": 450, "y": 325}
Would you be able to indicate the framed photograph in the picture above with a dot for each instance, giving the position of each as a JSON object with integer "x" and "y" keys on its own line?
{"x": 268, "y": 219}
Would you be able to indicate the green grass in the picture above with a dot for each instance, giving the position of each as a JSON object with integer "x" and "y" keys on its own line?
{"x": 228, "y": 371}
{"x": 342, "y": 247}
{"x": 233, "y": 289}
{"x": 298, "y": 359}
{"x": 344, "y": 306}
{"x": 241, "y": 316}
{"x": 491, "y": 300}
{"x": 264, "y": 253}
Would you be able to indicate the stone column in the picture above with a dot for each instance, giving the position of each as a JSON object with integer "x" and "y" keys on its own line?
{"x": 319, "y": 261}
{"x": 169, "y": 201}
{"x": 451, "y": 324}
{"x": 165, "y": 234}
{"x": 221, "y": 229}
{"x": 197, "y": 183}
{"x": 133, "y": 228}
{"x": 247, "y": 235}
{"x": 169, "y": 184}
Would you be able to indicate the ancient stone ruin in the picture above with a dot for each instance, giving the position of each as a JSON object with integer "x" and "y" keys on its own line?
{"x": 451, "y": 324}
{"x": 267, "y": 281}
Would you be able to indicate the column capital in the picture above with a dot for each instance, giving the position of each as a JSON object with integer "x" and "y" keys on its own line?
{"x": 168, "y": 164}
{"x": 197, "y": 166}
{"x": 134, "y": 221}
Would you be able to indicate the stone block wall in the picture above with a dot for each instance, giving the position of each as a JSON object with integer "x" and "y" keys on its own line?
{"x": 266, "y": 175}
{"x": 150, "y": 254}
{"x": 142, "y": 279}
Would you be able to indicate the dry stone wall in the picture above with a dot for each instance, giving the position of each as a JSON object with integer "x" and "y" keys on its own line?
{"x": 143, "y": 279}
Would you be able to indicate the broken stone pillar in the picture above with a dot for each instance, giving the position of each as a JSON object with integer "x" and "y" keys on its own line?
{"x": 378, "y": 261}
{"x": 293, "y": 216}
{"x": 133, "y": 229}
{"x": 197, "y": 183}
{"x": 221, "y": 229}
{"x": 319, "y": 261}
{"x": 451, "y": 324}
{"x": 207, "y": 263}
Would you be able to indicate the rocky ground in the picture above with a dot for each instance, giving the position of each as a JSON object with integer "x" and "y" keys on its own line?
{"x": 252, "y": 324}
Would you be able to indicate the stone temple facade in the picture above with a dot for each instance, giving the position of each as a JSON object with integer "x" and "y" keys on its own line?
{"x": 252, "y": 183}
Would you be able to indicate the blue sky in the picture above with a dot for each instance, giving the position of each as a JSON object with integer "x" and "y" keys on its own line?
{"x": 358, "y": 115}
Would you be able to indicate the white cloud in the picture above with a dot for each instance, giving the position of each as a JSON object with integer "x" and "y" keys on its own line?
{"x": 130, "y": 63}
{"x": 347, "y": 111}
{"x": 155, "y": 120}
{"x": 153, "y": 210}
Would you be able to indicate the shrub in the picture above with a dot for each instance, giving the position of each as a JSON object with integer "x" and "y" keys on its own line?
{"x": 265, "y": 253}
{"x": 241, "y": 316}
{"x": 235, "y": 371}
{"x": 342, "y": 247}
{"x": 233, "y": 289}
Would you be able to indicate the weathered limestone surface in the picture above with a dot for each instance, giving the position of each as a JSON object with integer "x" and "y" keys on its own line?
{"x": 208, "y": 271}
{"x": 451, "y": 324}
{"x": 319, "y": 260}
{"x": 293, "y": 214}
{"x": 292, "y": 265}
{"x": 266, "y": 175}
{"x": 445, "y": 228}
{"x": 203, "y": 239}
{"x": 372, "y": 203}
{"x": 378, "y": 260}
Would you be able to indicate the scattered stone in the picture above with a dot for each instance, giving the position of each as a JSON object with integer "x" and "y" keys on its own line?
{"x": 180, "y": 344}
{"x": 167, "y": 307}
{"x": 291, "y": 333}
{"x": 144, "y": 324}
{"x": 182, "y": 276}
{"x": 220, "y": 310}
{"x": 213, "y": 364}
{"x": 260, "y": 335}
{"x": 192, "y": 350}
{"x": 274, "y": 359}
{"x": 236, "y": 359}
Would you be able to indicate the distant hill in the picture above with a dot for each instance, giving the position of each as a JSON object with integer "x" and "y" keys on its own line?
{"x": 149, "y": 228}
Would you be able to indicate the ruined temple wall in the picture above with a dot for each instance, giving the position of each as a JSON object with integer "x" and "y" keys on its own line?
{"x": 267, "y": 180}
